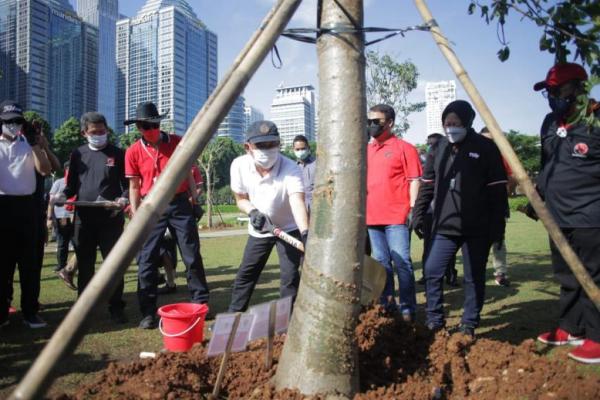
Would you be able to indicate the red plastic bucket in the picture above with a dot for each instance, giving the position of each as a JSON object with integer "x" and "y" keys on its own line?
{"x": 182, "y": 325}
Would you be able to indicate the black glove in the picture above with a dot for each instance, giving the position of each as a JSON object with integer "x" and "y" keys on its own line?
{"x": 259, "y": 221}
{"x": 416, "y": 225}
{"x": 198, "y": 211}
{"x": 304, "y": 238}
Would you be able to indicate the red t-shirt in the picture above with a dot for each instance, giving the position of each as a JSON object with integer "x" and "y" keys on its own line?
{"x": 197, "y": 175}
{"x": 146, "y": 162}
{"x": 391, "y": 166}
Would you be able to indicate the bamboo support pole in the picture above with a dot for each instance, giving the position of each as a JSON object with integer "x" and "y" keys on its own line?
{"x": 508, "y": 153}
{"x": 206, "y": 122}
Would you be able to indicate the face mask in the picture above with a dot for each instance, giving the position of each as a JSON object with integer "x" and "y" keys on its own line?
{"x": 12, "y": 130}
{"x": 456, "y": 134}
{"x": 265, "y": 158}
{"x": 151, "y": 135}
{"x": 97, "y": 142}
{"x": 560, "y": 106}
{"x": 375, "y": 130}
{"x": 301, "y": 154}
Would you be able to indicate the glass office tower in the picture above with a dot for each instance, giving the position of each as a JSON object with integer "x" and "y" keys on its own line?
{"x": 165, "y": 55}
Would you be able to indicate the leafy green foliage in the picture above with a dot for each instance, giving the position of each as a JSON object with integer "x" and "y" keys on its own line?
{"x": 527, "y": 148}
{"x": 126, "y": 139}
{"x": 217, "y": 157}
{"x": 390, "y": 82}
{"x": 583, "y": 105}
{"x": 565, "y": 24}
{"x": 67, "y": 138}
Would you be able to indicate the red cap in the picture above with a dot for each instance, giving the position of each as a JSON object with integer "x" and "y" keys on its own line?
{"x": 562, "y": 73}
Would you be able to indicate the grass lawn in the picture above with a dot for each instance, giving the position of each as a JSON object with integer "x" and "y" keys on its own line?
{"x": 512, "y": 314}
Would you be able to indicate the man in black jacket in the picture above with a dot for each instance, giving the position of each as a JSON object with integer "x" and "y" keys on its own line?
{"x": 569, "y": 182}
{"x": 465, "y": 178}
{"x": 97, "y": 172}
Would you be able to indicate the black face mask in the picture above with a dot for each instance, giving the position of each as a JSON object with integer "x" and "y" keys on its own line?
{"x": 374, "y": 130}
{"x": 560, "y": 106}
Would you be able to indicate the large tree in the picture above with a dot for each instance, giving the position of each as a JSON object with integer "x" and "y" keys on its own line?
{"x": 390, "y": 82}
{"x": 527, "y": 148}
{"x": 67, "y": 138}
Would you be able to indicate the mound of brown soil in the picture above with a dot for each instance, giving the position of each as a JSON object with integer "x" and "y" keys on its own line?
{"x": 397, "y": 361}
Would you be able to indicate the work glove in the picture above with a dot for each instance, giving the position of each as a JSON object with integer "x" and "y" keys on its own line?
{"x": 259, "y": 221}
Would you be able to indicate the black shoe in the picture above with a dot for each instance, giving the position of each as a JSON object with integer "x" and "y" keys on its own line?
{"x": 34, "y": 322}
{"x": 166, "y": 289}
{"x": 118, "y": 317}
{"x": 467, "y": 330}
{"x": 161, "y": 279}
{"x": 149, "y": 322}
{"x": 502, "y": 280}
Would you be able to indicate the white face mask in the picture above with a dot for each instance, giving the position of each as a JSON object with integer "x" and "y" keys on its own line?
{"x": 265, "y": 158}
{"x": 456, "y": 134}
{"x": 96, "y": 142}
{"x": 12, "y": 130}
{"x": 301, "y": 154}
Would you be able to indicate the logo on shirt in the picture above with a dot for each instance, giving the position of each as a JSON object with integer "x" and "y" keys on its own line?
{"x": 580, "y": 150}
{"x": 388, "y": 154}
{"x": 474, "y": 155}
{"x": 110, "y": 162}
{"x": 561, "y": 132}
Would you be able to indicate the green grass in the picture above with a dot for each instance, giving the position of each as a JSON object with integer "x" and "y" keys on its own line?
{"x": 512, "y": 314}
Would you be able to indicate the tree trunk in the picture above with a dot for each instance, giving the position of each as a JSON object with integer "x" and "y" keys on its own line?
{"x": 320, "y": 353}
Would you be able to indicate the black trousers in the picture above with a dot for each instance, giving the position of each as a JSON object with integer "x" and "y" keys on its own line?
{"x": 577, "y": 313}
{"x": 18, "y": 241}
{"x": 255, "y": 258}
{"x": 179, "y": 218}
{"x": 90, "y": 233}
{"x": 64, "y": 235}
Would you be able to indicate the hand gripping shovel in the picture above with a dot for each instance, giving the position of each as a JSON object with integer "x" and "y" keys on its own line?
{"x": 374, "y": 274}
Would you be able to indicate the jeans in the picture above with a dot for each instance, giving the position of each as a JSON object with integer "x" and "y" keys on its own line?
{"x": 391, "y": 244}
{"x": 255, "y": 258}
{"x": 475, "y": 250}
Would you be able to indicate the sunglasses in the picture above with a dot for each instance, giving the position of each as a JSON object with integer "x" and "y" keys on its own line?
{"x": 146, "y": 126}
{"x": 376, "y": 121}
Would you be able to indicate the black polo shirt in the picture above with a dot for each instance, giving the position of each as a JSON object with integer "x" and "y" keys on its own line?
{"x": 96, "y": 173}
{"x": 463, "y": 176}
{"x": 569, "y": 179}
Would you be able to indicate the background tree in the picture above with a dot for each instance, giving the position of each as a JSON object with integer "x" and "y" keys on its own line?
{"x": 566, "y": 26}
{"x": 126, "y": 139}
{"x": 215, "y": 161}
{"x": 67, "y": 138}
{"x": 527, "y": 148}
{"x": 390, "y": 82}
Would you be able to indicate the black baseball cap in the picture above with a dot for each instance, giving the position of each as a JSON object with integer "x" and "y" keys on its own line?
{"x": 262, "y": 131}
{"x": 9, "y": 109}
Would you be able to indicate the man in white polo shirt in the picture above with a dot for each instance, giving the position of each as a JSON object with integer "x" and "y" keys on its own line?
{"x": 268, "y": 187}
{"x": 19, "y": 228}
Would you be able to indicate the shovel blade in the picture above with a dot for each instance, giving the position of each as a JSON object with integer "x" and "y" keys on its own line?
{"x": 373, "y": 281}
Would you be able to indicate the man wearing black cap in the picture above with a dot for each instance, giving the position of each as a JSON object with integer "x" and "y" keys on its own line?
{"x": 569, "y": 182}
{"x": 268, "y": 187}
{"x": 19, "y": 229}
{"x": 144, "y": 162}
{"x": 465, "y": 178}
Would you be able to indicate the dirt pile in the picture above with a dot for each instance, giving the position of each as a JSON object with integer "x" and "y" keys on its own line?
{"x": 397, "y": 361}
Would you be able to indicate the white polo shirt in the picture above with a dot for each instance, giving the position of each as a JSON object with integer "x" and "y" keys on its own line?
{"x": 17, "y": 168}
{"x": 270, "y": 194}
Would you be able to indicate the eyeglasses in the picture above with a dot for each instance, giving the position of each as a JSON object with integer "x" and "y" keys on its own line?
{"x": 376, "y": 121}
{"x": 266, "y": 145}
{"x": 146, "y": 126}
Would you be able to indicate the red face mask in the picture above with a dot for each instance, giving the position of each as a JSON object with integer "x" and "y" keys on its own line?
{"x": 151, "y": 135}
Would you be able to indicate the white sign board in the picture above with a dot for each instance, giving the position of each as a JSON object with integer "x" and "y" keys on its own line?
{"x": 260, "y": 327}
{"x": 222, "y": 330}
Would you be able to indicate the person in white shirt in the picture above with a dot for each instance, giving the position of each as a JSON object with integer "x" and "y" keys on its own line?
{"x": 19, "y": 162}
{"x": 269, "y": 188}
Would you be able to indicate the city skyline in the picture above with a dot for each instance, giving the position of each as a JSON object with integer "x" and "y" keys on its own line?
{"x": 437, "y": 96}
{"x": 293, "y": 110}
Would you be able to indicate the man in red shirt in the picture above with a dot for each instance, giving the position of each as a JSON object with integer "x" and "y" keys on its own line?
{"x": 144, "y": 162}
{"x": 393, "y": 173}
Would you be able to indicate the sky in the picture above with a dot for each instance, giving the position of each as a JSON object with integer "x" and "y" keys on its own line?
{"x": 506, "y": 86}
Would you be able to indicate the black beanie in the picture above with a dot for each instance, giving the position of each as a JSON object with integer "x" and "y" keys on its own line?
{"x": 464, "y": 111}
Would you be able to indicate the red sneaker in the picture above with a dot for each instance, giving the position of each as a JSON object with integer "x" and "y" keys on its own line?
{"x": 12, "y": 310}
{"x": 559, "y": 337}
{"x": 588, "y": 352}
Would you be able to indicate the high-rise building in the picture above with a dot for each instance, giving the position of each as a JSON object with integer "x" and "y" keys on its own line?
{"x": 48, "y": 57}
{"x": 293, "y": 111}
{"x": 437, "y": 96}
{"x": 233, "y": 124}
{"x": 165, "y": 55}
{"x": 103, "y": 15}
{"x": 251, "y": 115}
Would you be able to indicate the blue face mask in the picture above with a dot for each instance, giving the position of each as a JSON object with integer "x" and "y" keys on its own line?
{"x": 560, "y": 106}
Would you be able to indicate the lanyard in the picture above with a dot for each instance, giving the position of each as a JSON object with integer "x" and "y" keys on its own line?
{"x": 156, "y": 165}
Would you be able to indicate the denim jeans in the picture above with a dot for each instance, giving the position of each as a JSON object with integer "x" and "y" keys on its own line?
{"x": 391, "y": 244}
{"x": 475, "y": 251}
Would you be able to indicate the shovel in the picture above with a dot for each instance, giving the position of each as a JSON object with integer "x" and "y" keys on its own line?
{"x": 374, "y": 274}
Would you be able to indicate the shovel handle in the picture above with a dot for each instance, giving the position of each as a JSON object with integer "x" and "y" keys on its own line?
{"x": 289, "y": 239}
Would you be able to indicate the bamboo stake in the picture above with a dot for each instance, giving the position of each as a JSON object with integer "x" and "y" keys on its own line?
{"x": 508, "y": 153}
{"x": 223, "y": 366}
{"x": 271, "y": 334}
{"x": 206, "y": 122}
